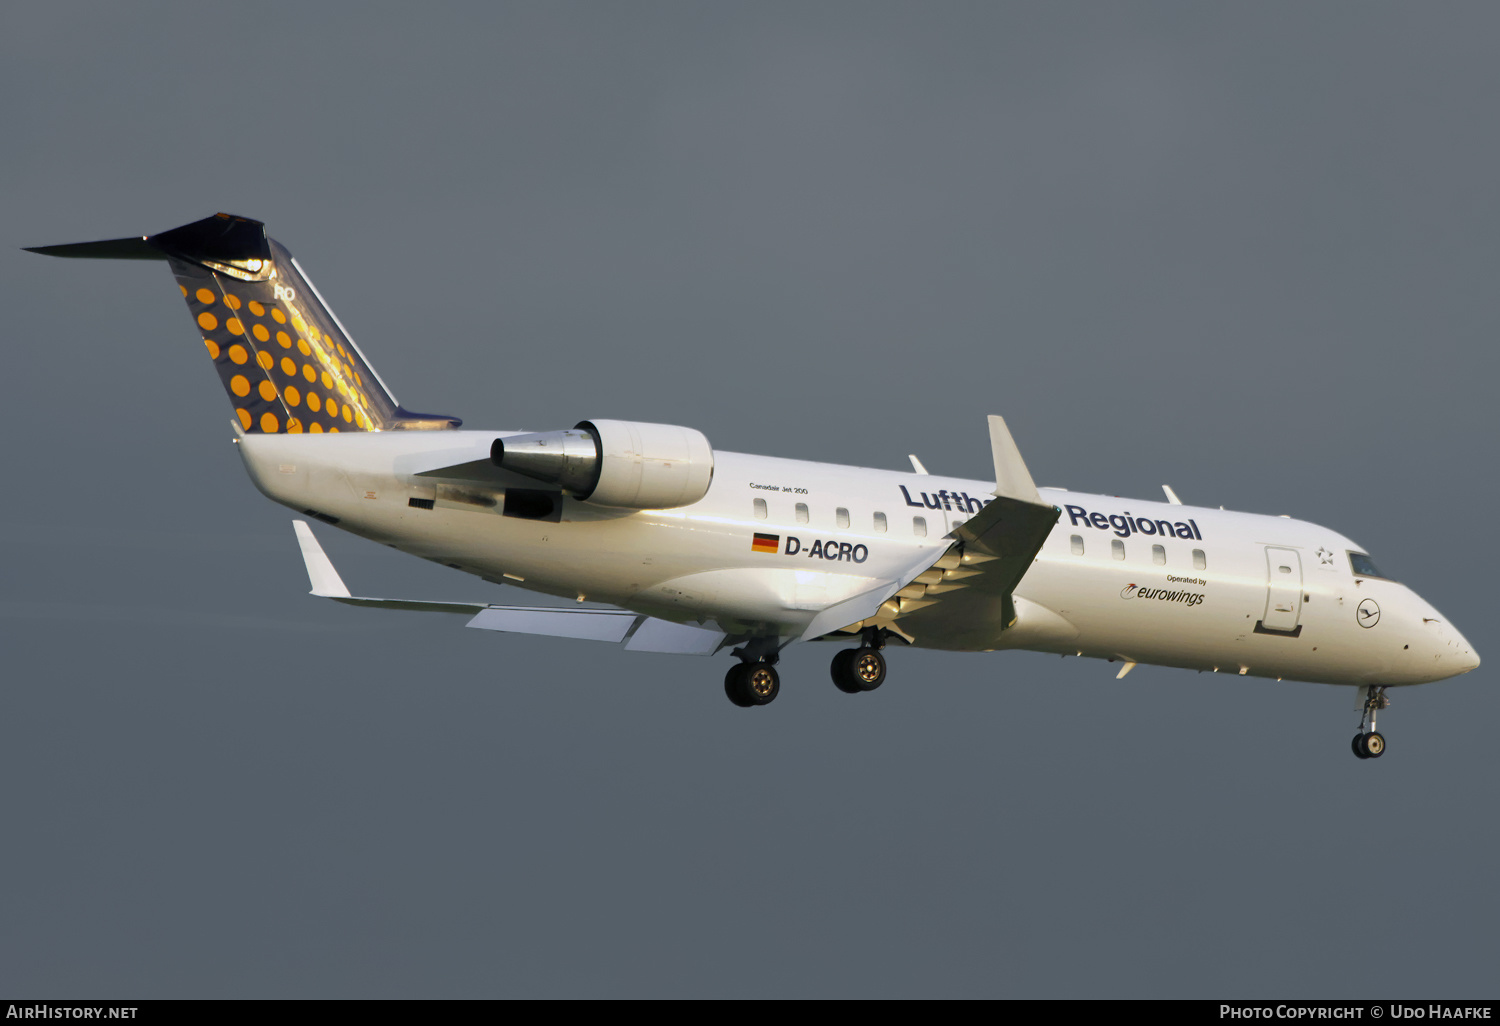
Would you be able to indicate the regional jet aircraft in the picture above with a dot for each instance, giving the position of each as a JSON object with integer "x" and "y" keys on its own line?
{"x": 663, "y": 544}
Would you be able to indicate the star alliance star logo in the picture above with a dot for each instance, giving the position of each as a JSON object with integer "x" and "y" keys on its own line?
{"x": 1325, "y": 557}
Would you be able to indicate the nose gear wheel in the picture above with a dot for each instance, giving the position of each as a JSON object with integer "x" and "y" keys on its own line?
{"x": 1370, "y": 744}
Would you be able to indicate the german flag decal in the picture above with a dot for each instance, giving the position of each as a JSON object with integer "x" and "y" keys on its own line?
{"x": 766, "y": 543}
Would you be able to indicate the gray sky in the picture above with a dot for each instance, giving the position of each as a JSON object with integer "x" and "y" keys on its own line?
{"x": 1247, "y": 250}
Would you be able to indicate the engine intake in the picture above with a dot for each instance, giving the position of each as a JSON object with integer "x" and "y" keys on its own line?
{"x": 619, "y": 463}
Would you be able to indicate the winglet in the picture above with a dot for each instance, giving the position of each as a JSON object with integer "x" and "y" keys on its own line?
{"x": 1012, "y": 479}
{"x": 1171, "y": 495}
{"x": 325, "y": 580}
{"x": 916, "y": 464}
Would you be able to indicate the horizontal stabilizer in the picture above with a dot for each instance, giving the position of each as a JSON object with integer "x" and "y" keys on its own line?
{"x": 222, "y": 240}
{"x": 136, "y": 248}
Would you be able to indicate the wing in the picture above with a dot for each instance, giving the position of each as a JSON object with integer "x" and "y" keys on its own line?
{"x": 638, "y": 632}
{"x": 1009, "y": 530}
{"x": 965, "y": 599}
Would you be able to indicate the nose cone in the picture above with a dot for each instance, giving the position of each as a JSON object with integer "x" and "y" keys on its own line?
{"x": 1422, "y": 645}
{"x": 1452, "y": 654}
{"x": 1466, "y": 658}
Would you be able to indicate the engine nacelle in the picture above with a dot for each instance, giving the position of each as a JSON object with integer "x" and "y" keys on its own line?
{"x": 620, "y": 463}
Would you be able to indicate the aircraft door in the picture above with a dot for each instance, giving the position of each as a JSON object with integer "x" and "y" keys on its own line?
{"x": 1283, "y": 589}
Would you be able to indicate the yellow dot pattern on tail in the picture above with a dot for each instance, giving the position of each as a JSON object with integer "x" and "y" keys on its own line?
{"x": 251, "y": 328}
{"x": 274, "y": 344}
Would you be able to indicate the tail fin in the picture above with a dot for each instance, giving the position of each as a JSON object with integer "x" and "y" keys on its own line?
{"x": 283, "y": 357}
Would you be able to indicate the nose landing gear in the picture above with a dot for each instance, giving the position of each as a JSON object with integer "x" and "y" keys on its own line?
{"x": 1370, "y": 744}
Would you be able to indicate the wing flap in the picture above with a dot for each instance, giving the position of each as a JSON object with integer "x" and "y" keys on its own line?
{"x": 583, "y": 624}
{"x": 853, "y": 610}
{"x": 640, "y": 633}
{"x": 655, "y": 635}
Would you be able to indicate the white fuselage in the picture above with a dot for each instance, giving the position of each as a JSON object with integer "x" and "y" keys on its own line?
{"x": 1230, "y": 592}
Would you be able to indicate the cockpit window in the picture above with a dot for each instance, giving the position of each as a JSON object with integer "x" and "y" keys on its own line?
{"x": 1364, "y": 566}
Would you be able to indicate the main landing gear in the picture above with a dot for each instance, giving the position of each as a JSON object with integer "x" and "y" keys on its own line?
{"x": 1370, "y": 744}
{"x": 751, "y": 684}
{"x": 754, "y": 681}
{"x": 860, "y": 669}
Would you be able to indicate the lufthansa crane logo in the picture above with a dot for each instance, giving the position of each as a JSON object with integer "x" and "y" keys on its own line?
{"x": 1368, "y": 614}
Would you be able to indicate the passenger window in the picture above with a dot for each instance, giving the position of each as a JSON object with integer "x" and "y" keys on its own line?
{"x": 801, "y": 512}
{"x": 1117, "y": 549}
{"x": 880, "y": 523}
{"x": 919, "y": 526}
{"x": 1158, "y": 555}
{"x": 1200, "y": 561}
{"x": 1077, "y": 544}
{"x": 1285, "y": 569}
{"x": 842, "y": 515}
{"x": 760, "y": 509}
